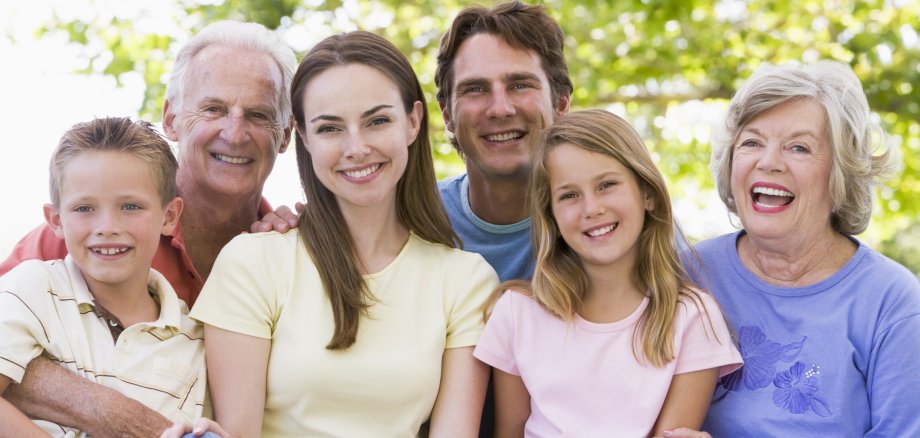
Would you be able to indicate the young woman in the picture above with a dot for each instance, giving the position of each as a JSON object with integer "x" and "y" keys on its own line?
{"x": 362, "y": 321}
{"x": 609, "y": 339}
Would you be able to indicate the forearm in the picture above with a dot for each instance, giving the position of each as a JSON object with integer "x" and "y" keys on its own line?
{"x": 52, "y": 393}
{"x": 15, "y": 423}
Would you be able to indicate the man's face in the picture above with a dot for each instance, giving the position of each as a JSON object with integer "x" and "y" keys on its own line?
{"x": 228, "y": 126}
{"x": 501, "y": 101}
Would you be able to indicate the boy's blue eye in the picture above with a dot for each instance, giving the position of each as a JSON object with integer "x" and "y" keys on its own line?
{"x": 131, "y": 207}
{"x": 83, "y": 209}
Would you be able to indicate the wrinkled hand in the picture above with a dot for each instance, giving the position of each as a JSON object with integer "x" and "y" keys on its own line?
{"x": 280, "y": 220}
{"x": 685, "y": 432}
{"x": 202, "y": 428}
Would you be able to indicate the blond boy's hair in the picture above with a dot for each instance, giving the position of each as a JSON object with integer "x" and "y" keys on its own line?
{"x": 119, "y": 134}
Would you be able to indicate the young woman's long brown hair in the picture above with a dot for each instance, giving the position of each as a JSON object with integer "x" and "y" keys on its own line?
{"x": 560, "y": 282}
{"x": 322, "y": 226}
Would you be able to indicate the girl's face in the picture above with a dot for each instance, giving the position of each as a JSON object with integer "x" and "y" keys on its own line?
{"x": 358, "y": 134}
{"x": 598, "y": 206}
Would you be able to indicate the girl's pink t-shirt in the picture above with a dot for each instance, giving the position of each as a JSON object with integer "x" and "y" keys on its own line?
{"x": 583, "y": 378}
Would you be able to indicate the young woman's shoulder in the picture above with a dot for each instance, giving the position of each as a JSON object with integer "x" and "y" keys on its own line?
{"x": 266, "y": 242}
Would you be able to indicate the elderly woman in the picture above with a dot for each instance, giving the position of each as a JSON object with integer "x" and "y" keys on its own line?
{"x": 829, "y": 329}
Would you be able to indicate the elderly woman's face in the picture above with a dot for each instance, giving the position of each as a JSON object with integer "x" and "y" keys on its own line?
{"x": 781, "y": 165}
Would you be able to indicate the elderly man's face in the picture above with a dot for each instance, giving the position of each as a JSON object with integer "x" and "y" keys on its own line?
{"x": 228, "y": 124}
{"x": 781, "y": 166}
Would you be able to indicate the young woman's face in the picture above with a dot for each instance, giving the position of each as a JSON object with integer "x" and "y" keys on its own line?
{"x": 598, "y": 206}
{"x": 358, "y": 134}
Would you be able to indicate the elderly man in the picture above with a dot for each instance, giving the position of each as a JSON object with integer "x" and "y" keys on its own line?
{"x": 228, "y": 107}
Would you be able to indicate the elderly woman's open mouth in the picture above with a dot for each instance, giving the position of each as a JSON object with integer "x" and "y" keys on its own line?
{"x": 770, "y": 197}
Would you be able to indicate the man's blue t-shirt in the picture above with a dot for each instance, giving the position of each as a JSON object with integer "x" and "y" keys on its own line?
{"x": 506, "y": 247}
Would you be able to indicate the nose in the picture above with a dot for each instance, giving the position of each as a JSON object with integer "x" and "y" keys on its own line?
{"x": 593, "y": 206}
{"x": 234, "y": 129}
{"x": 108, "y": 223}
{"x": 500, "y": 105}
{"x": 771, "y": 159}
{"x": 355, "y": 146}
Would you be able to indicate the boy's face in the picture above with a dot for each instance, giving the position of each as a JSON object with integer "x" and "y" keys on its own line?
{"x": 111, "y": 217}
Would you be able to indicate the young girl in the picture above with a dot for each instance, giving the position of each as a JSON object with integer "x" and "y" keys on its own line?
{"x": 609, "y": 339}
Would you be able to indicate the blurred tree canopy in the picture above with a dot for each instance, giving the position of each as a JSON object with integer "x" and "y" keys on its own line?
{"x": 668, "y": 66}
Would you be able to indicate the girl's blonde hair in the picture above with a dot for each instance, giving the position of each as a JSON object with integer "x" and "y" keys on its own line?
{"x": 559, "y": 281}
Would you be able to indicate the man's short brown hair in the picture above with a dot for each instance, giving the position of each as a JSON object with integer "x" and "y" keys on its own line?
{"x": 522, "y": 26}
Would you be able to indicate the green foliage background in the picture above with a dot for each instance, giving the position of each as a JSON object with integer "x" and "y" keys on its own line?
{"x": 648, "y": 58}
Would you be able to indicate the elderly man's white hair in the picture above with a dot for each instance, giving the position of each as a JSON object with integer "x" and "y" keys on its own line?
{"x": 237, "y": 35}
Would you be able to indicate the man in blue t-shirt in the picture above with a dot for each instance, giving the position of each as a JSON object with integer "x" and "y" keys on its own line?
{"x": 502, "y": 78}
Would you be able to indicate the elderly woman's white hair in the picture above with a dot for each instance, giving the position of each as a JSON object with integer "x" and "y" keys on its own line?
{"x": 861, "y": 157}
{"x": 237, "y": 35}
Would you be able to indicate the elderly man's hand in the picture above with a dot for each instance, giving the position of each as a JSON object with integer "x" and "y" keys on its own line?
{"x": 281, "y": 220}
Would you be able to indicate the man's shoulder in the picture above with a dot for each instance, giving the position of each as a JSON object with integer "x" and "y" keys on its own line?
{"x": 450, "y": 187}
{"x": 41, "y": 243}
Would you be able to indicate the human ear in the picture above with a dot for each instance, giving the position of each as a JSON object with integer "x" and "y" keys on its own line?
{"x": 562, "y": 107}
{"x": 172, "y": 211}
{"x": 649, "y": 201}
{"x": 53, "y": 218}
{"x": 448, "y": 121}
{"x": 415, "y": 120}
{"x": 288, "y": 134}
{"x": 169, "y": 121}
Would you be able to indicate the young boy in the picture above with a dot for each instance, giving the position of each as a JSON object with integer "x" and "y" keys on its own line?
{"x": 102, "y": 312}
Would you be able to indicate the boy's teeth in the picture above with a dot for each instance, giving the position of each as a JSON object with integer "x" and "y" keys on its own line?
{"x": 772, "y": 192}
{"x": 601, "y": 231}
{"x": 110, "y": 251}
{"x": 361, "y": 173}
{"x": 504, "y": 137}
{"x": 231, "y": 160}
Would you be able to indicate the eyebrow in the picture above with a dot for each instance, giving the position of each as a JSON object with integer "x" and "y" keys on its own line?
{"x": 510, "y": 77}
{"x": 522, "y": 76}
{"x": 599, "y": 177}
{"x": 799, "y": 133}
{"x": 367, "y": 113}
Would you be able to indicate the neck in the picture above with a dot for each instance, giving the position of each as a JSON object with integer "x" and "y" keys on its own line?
{"x": 796, "y": 262}
{"x": 130, "y": 303}
{"x": 377, "y": 233}
{"x": 611, "y": 294}
{"x": 209, "y": 222}
{"x": 498, "y": 201}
